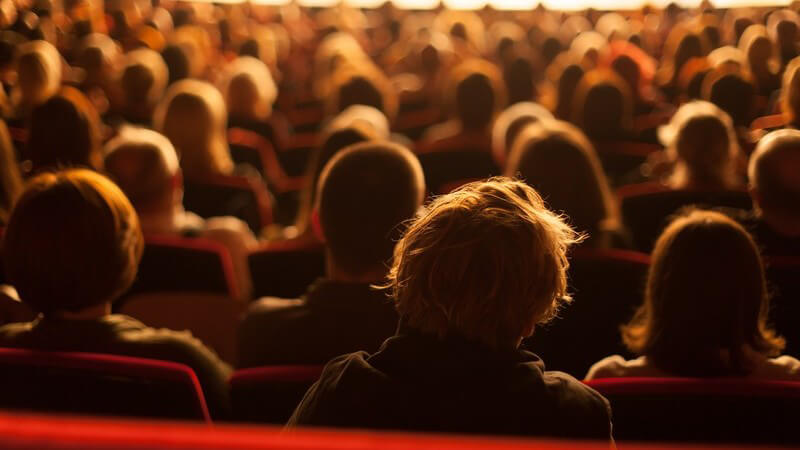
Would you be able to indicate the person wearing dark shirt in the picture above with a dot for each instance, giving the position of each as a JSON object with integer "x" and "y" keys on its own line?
{"x": 775, "y": 190}
{"x": 471, "y": 278}
{"x": 72, "y": 246}
{"x": 365, "y": 193}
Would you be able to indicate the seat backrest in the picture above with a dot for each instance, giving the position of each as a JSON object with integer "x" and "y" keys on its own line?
{"x": 90, "y": 383}
{"x": 443, "y": 168}
{"x": 270, "y": 394}
{"x": 173, "y": 263}
{"x": 230, "y": 195}
{"x": 646, "y": 208}
{"x": 703, "y": 410}
{"x": 606, "y": 286}
{"x": 286, "y": 269}
{"x": 212, "y": 318}
{"x": 783, "y": 278}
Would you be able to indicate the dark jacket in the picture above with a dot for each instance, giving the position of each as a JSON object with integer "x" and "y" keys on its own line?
{"x": 421, "y": 383}
{"x": 122, "y": 335}
{"x": 332, "y": 318}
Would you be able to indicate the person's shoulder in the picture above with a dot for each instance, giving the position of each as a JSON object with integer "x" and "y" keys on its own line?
{"x": 228, "y": 227}
{"x": 273, "y": 305}
{"x": 575, "y": 401}
{"x": 271, "y": 316}
{"x": 783, "y": 367}
{"x": 12, "y": 331}
{"x": 612, "y": 367}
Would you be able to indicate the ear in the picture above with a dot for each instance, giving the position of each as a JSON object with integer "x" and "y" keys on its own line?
{"x": 316, "y": 225}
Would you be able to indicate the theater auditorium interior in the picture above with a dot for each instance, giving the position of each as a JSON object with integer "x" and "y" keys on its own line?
{"x": 405, "y": 224}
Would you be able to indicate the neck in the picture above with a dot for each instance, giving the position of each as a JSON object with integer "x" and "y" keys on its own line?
{"x": 785, "y": 226}
{"x": 335, "y": 273}
{"x": 92, "y": 312}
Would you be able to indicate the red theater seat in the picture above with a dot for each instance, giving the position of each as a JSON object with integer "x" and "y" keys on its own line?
{"x": 29, "y": 431}
{"x": 230, "y": 195}
{"x": 178, "y": 264}
{"x": 286, "y": 269}
{"x": 703, "y": 410}
{"x": 270, "y": 394}
{"x": 647, "y": 207}
{"x": 607, "y": 286}
{"x": 90, "y": 383}
{"x": 249, "y": 147}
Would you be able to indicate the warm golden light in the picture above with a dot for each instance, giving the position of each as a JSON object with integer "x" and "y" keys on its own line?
{"x": 513, "y": 5}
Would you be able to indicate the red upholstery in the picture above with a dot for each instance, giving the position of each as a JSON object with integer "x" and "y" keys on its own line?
{"x": 709, "y": 410}
{"x": 105, "y": 384}
{"x": 159, "y": 271}
{"x": 269, "y": 394}
{"x": 28, "y": 431}
{"x": 269, "y": 163}
{"x": 258, "y": 189}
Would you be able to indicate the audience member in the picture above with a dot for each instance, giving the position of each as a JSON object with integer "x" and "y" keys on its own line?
{"x": 775, "y": 190}
{"x": 65, "y": 130}
{"x": 145, "y": 166}
{"x": 510, "y": 123}
{"x": 38, "y": 75}
{"x": 705, "y": 308}
{"x": 71, "y": 248}
{"x": 557, "y": 160}
{"x": 366, "y": 192}
{"x": 463, "y": 285}
{"x": 142, "y": 83}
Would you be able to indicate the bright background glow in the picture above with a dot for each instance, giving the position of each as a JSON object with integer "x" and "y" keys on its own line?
{"x": 560, "y": 5}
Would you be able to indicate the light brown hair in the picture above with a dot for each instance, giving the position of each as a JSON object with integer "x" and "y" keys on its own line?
{"x": 485, "y": 262}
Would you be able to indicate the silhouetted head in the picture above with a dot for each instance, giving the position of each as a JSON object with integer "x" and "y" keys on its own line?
{"x": 706, "y": 304}
{"x": 98, "y": 260}
{"x": 365, "y": 193}
{"x": 774, "y": 181}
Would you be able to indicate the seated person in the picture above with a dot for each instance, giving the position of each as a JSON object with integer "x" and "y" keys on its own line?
{"x": 705, "y": 309}
{"x": 474, "y": 95}
{"x": 145, "y": 166}
{"x": 471, "y": 278}
{"x": 557, "y": 160}
{"x": 366, "y": 191}
{"x": 72, "y": 246}
{"x": 775, "y": 190}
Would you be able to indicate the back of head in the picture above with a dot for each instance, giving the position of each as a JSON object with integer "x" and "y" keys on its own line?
{"x": 773, "y": 173}
{"x": 249, "y": 89}
{"x": 790, "y": 91}
{"x": 177, "y": 62}
{"x": 65, "y": 131}
{"x": 558, "y": 161}
{"x": 144, "y": 78}
{"x": 194, "y": 118}
{"x": 701, "y": 139}
{"x": 518, "y": 76}
{"x": 510, "y": 123}
{"x": 38, "y": 71}
{"x": 602, "y": 105}
{"x": 365, "y": 193}
{"x": 486, "y": 262}
{"x": 475, "y": 93}
{"x": 73, "y": 242}
{"x": 732, "y": 93}
{"x": 706, "y": 300}
{"x": 144, "y": 165}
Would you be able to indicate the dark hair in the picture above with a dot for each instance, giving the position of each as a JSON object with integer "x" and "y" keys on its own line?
{"x": 73, "y": 242}
{"x": 365, "y": 192}
{"x": 177, "y": 62}
{"x": 732, "y": 93}
{"x": 518, "y": 76}
{"x": 705, "y": 294}
{"x": 65, "y": 131}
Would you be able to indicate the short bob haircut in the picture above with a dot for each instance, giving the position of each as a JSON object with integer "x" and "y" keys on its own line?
{"x": 194, "y": 118}
{"x": 249, "y": 89}
{"x": 39, "y": 72}
{"x": 366, "y": 192}
{"x": 706, "y": 302}
{"x": 73, "y": 242}
{"x": 486, "y": 262}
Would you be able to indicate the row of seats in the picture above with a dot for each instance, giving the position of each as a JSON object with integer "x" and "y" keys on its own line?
{"x": 647, "y": 409}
